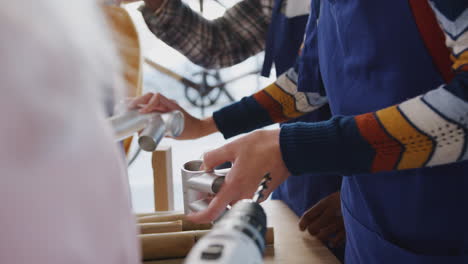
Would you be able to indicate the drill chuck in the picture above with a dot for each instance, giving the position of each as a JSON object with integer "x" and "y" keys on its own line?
{"x": 249, "y": 218}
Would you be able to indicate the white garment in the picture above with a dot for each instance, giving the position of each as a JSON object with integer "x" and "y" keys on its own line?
{"x": 64, "y": 195}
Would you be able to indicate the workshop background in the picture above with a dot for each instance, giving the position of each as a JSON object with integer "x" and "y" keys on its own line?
{"x": 140, "y": 171}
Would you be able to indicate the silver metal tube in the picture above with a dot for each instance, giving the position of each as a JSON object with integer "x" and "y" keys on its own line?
{"x": 174, "y": 123}
{"x": 206, "y": 182}
{"x": 154, "y": 125}
{"x": 199, "y": 205}
{"x": 128, "y": 123}
{"x": 152, "y": 134}
{"x": 189, "y": 170}
{"x": 197, "y": 185}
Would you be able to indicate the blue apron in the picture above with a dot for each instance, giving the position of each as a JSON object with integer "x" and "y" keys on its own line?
{"x": 372, "y": 49}
{"x": 285, "y": 36}
{"x": 284, "y": 39}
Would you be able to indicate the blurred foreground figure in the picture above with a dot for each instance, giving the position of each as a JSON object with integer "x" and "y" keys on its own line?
{"x": 64, "y": 193}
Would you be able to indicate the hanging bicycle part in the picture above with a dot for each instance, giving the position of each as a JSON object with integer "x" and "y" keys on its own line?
{"x": 207, "y": 90}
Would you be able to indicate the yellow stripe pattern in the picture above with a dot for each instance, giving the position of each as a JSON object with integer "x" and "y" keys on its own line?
{"x": 287, "y": 101}
{"x": 418, "y": 147}
{"x": 459, "y": 61}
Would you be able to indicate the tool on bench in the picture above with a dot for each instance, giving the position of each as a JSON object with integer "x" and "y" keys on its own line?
{"x": 154, "y": 127}
{"x": 238, "y": 237}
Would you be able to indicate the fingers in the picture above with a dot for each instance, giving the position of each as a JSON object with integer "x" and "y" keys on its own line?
{"x": 140, "y": 100}
{"x": 329, "y": 231}
{"x": 246, "y": 173}
{"x": 238, "y": 184}
{"x": 338, "y": 239}
{"x": 320, "y": 222}
{"x": 154, "y": 102}
{"x": 310, "y": 216}
{"x": 216, "y": 206}
{"x": 218, "y": 156}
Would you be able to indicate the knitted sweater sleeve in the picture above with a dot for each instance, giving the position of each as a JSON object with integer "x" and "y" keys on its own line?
{"x": 278, "y": 102}
{"x": 429, "y": 130}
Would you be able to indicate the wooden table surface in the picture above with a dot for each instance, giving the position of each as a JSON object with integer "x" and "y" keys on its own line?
{"x": 291, "y": 246}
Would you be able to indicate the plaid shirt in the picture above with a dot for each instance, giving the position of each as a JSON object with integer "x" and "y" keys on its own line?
{"x": 239, "y": 34}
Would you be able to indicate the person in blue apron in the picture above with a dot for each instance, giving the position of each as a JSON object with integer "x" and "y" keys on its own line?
{"x": 428, "y": 205}
{"x": 383, "y": 228}
{"x": 399, "y": 112}
{"x": 285, "y": 37}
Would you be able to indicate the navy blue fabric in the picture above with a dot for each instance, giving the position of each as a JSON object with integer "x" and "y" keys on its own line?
{"x": 308, "y": 62}
{"x": 301, "y": 192}
{"x": 371, "y": 56}
{"x": 451, "y": 9}
{"x": 241, "y": 117}
{"x": 296, "y": 141}
{"x": 285, "y": 36}
{"x": 387, "y": 253}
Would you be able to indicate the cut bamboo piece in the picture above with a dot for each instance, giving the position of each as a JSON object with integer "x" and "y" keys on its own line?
{"x": 186, "y": 225}
{"x": 178, "y": 244}
{"x": 168, "y": 245}
{"x": 270, "y": 236}
{"x": 138, "y": 215}
{"x": 161, "y": 218}
{"x": 161, "y": 227}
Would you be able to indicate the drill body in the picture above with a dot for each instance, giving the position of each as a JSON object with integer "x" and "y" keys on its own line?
{"x": 237, "y": 238}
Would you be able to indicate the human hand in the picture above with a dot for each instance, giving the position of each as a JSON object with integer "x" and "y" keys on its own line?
{"x": 193, "y": 127}
{"x": 252, "y": 157}
{"x": 325, "y": 221}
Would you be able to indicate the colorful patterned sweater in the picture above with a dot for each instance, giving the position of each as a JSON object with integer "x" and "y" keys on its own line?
{"x": 429, "y": 130}
{"x": 279, "y": 102}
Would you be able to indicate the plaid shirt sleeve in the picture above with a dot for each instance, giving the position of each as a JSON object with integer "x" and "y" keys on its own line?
{"x": 239, "y": 34}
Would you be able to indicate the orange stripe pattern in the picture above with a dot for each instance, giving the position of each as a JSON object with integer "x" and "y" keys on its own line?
{"x": 273, "y": 108}
{"x": 418, "y": 146}
{"x": 388, "y": 150}
{"x": 280, "y": 105}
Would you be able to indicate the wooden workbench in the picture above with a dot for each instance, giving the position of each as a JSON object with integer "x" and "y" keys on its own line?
{"x": 291, "y": 246}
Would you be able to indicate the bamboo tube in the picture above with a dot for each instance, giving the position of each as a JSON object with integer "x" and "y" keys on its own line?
{"x": 168, "y": 245}
{"x": 178, "y": 244}
{"x": 161, "y": 218}
{"x": 138, "y": 215}
{"x": 186, "y": 225}
{"x": 270, "y": 236}
{"x": 161, "y": 227}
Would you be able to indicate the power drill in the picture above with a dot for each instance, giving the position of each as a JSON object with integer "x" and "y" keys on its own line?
{"x": 238, "y": 237}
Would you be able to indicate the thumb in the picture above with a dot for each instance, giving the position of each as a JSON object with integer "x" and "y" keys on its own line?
{"x": 216, "y": 207}
{"x": 216, "y": 157}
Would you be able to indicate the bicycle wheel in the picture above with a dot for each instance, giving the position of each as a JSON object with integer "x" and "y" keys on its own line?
{"x": 206, "y": 96}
